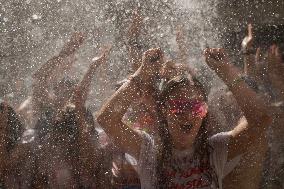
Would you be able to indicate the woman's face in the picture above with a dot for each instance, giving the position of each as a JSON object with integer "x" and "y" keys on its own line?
{"x": 185, "y": 110}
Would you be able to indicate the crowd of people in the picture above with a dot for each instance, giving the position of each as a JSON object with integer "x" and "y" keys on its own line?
{"x": 152, "y": 132}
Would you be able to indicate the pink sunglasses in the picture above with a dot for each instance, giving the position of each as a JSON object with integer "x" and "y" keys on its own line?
{"x": 196, "y": 107}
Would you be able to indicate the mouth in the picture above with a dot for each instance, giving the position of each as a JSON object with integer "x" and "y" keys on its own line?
{"x": 186, "y": 128}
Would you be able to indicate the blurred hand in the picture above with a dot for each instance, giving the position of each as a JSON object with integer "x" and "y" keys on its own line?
{"x": 73, "y": 44}
{"x": 179, "y": 35}
{"x": 215, "y": 57}
{"x": 248, "y": 40}
{"x": 99, "y": 60}
{"x": 275, "y": 63}
{"x": 151, "y": 64}
{"x": 275, "y": 67}
{"x": 136, "y": 22}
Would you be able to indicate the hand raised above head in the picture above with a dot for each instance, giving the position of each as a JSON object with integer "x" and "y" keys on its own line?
{"x": 215, "y": 57}
{"x": 248, "y": 40}
{"x": 275, "y": 63}
{"x": 151, "y": 64}
{"x": 73, "y": 44}
{"x": 137, "y": 19}
{"x": 101, "y": 59}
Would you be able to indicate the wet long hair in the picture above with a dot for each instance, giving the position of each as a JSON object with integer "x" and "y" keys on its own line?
{"x": 165, "y": 144}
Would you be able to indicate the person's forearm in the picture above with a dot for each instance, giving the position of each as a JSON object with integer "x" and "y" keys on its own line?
{"x": 249, "y": 61}
{"x": 183, "y": 54}
{"x": 253, "y": 108}
{"x": 119, "y": 102}
{"x": 84, "y": 86}
{"x": 133, "y": 50}
{"x": 47, "y": 69}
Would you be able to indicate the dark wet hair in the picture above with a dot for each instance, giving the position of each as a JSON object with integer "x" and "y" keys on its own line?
{"x": 165, "y": 145}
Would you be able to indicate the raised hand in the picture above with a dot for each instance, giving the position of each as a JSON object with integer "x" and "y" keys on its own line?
{"x": 134, "y": 29}
{"x": 81, "y": 92}
{"x": 73, "y": 44}
{"x": 275, "y": 63}
{"x": 276, "y": 69}
{"x": 133, "y": 47}
{"x": 215, "y": 58}
{"x": 101, "y": 59}
{"x": 183, "y": 52}
{"x": 179, "y": 35}
{"x": 248, "y": 40}
{"x": 151, "y": 64}
{"x": 254, "y": 68}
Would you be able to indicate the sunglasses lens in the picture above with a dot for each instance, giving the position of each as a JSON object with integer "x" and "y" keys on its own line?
{"x": 195, "y": 107}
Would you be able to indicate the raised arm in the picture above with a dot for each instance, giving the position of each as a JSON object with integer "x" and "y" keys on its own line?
{"x": 182, "y": 47}
{"x": 255, "y": 110}
{"x": 110, "y": 115}
{"x": 47, "y": 73}
{"x": 87, "y": 148}
{"x": 84, "y": 86}
{"x": 276, "y": 70}
{"x": 134, "y": 49}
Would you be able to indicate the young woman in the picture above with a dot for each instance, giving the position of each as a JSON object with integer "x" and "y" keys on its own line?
{"x": 184, "y": 156}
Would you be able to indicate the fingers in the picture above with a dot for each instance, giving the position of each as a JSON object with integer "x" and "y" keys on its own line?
{"x": 274, "y": 55}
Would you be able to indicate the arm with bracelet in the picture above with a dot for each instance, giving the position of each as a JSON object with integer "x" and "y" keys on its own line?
{"x": 255, "y": 110}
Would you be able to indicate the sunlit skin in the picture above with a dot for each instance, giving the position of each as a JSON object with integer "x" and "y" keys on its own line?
{"x": 183, "y": 138}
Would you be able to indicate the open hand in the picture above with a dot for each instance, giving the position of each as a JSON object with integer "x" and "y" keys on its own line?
{"x": 275, "y": 64}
